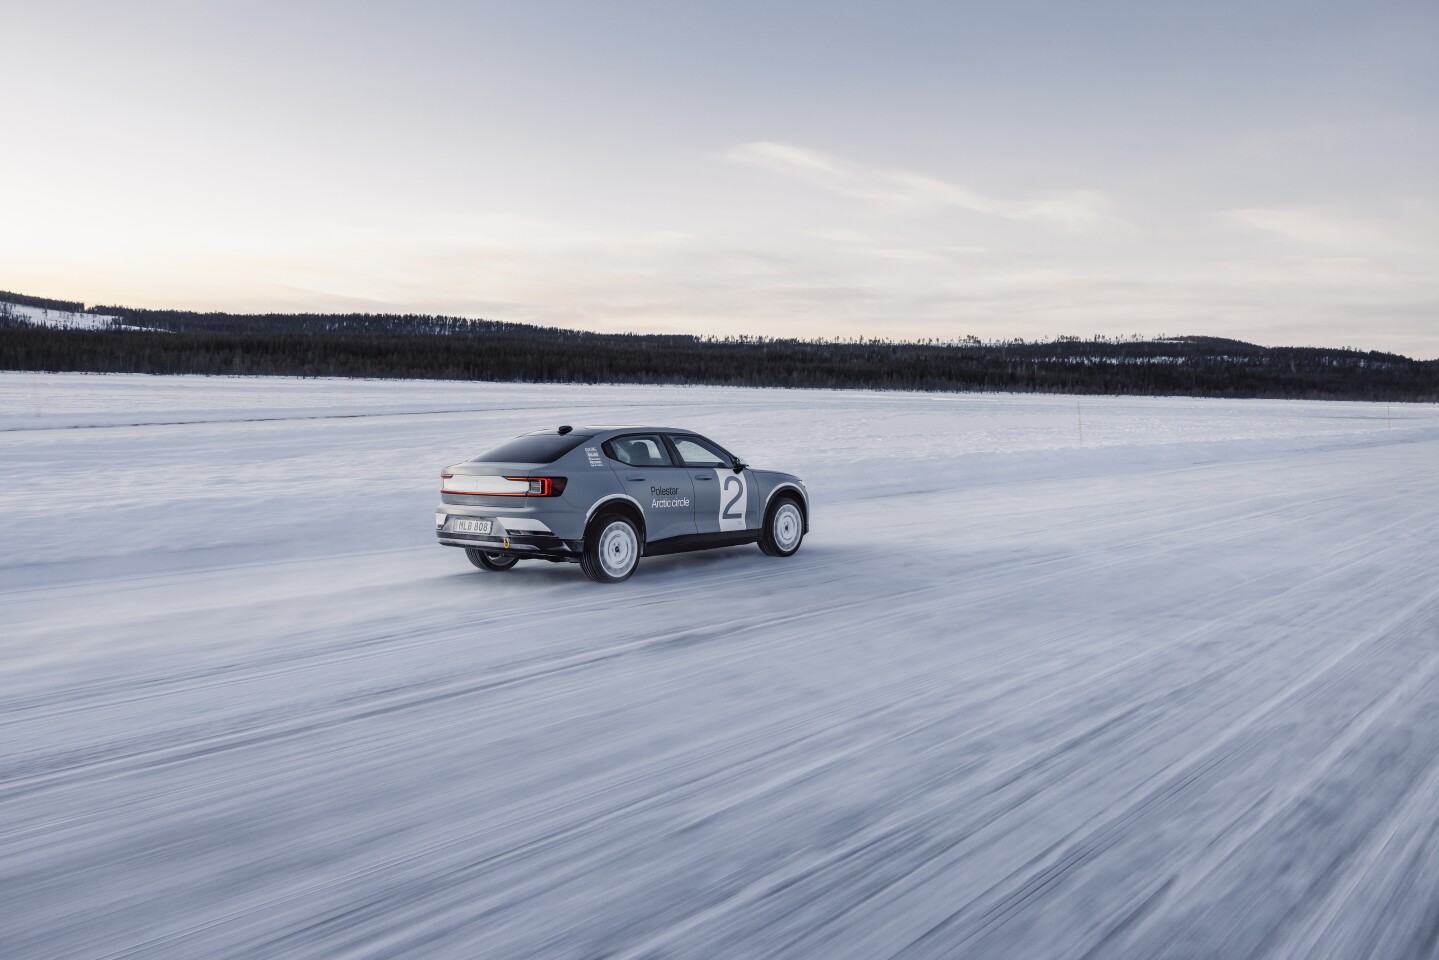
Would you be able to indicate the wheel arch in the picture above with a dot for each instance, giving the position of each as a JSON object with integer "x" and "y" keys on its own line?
{"x": 623, "y": 504}
{"x": 795, "y": 492}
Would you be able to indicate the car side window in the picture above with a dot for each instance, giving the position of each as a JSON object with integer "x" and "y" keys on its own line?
{"x": 645, "y": 450}
{"x": 695, "y": 452}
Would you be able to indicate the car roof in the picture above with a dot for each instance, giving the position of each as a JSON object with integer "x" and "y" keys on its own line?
{"x": 635, "y": 428}
{"x": 591, "y": 430}
{"x": 607, "y": 432}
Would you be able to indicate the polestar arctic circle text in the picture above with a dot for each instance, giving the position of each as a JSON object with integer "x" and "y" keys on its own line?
{"x": 603, "y": 497}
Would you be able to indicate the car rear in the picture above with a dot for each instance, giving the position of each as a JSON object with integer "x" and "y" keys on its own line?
{"x": 518, "y": 499}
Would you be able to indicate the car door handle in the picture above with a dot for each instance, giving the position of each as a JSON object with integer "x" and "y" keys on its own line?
{"x": 634, "y": 478}
{"x": 703, "y": 477}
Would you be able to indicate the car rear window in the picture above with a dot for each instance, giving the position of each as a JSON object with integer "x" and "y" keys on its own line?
{"x": 533, "y": 448}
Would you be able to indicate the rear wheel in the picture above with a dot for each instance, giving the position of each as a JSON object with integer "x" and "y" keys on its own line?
{"x": 612, "y": 549}
{"x": 490, "y": 561}
{"x": 783, "y": 529}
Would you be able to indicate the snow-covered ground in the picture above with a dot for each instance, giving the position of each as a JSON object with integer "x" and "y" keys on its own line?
{"x": 1171, "y": 689}
{"x": 61, "y": 318}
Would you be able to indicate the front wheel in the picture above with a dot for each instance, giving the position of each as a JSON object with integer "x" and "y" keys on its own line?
{"x": 490, "y": 561}
{"x": 612, "y": 550}
{"x": 783, "y": 529}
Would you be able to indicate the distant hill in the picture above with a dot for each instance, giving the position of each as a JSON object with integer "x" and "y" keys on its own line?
{"x": 21, "y": 300}
{"x": 126, "y": 339}
{"x": 55, "y": 316}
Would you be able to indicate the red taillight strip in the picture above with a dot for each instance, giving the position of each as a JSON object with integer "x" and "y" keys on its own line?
{"x": 548, "y": 487}
{"x": 475, "y": 486}
{"x": 485, "y": 493}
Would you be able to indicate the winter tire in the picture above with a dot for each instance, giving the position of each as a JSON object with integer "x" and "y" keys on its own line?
{"x": 783, "y": 529}
{"x": 612, "y": 550}
{"x": 490, "y": 561}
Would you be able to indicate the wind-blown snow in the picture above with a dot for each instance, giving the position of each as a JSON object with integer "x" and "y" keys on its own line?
{"x": 1173, "y": 691}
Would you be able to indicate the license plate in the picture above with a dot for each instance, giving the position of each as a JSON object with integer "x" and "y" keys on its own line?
{"x": 471, "y": 526}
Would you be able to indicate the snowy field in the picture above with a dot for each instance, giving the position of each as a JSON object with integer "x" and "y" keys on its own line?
{"x": 1050, "y": 678}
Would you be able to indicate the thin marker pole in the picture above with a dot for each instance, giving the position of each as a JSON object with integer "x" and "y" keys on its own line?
{"x": 1079, "y": 419}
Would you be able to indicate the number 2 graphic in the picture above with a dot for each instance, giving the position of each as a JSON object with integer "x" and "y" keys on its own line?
{"x": 725, "y": 512}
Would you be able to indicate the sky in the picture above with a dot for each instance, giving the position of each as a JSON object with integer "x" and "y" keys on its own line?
{"x": 1256, "y": 170}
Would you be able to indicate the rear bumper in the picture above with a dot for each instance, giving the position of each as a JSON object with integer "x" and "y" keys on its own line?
{"x": 512, "y": 536}
{"x": 515, "y": 545}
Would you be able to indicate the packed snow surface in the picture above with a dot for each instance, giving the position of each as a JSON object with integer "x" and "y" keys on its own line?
{"x": 1050, "y": 677}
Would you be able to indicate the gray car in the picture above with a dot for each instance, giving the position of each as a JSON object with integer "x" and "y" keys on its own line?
{"x": 603, "y": 497}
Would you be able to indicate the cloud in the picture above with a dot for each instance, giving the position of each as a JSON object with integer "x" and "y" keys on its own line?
{"x": 1071, "y": 211}
{"x": 837, "y": 235}
{"x": 1320, "y": 227}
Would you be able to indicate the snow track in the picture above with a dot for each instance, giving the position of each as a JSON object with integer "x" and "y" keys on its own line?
{"x": 1174, "y": 693}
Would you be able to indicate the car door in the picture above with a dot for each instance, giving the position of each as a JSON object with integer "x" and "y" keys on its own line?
{"x": 724, "y": 499}
{"x": 648, "y": 474}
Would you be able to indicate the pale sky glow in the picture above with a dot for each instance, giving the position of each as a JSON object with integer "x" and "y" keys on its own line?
{"x": 1261, "y": 171}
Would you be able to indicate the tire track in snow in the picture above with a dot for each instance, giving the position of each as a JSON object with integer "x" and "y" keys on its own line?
{"x": 239, "y": 732}
{"x": 987, "y": 918}
{"x": 452, "y": 897}
{"x": 785, "y": 882}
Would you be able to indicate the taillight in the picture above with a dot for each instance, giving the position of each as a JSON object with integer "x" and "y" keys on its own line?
{"x": 477, "y": 486}
{"x": 542, "y": 486}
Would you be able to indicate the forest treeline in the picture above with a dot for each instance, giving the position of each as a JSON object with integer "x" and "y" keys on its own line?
{"x": 20, "y": 299}
{"x": 428, "y": 347}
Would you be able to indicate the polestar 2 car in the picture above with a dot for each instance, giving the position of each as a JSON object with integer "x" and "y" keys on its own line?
{"x": 603, "y": 497}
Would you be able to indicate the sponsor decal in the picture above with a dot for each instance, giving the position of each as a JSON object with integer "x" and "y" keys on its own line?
{"x": 662, "y": 497}
{"x": 594, "y": 455}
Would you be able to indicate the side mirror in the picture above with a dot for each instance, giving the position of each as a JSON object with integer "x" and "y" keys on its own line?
{"x": 739, "y": 464}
